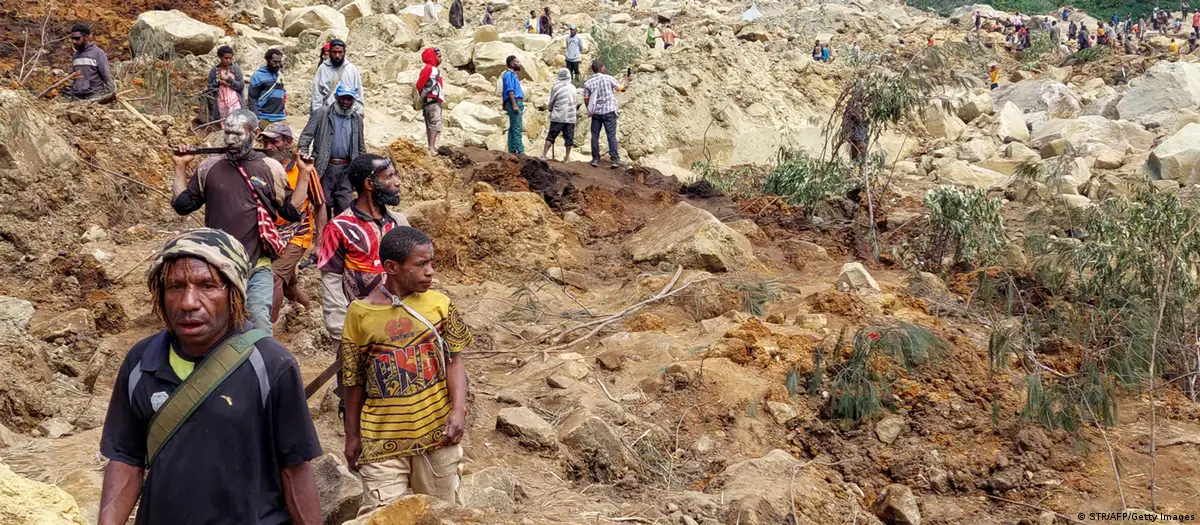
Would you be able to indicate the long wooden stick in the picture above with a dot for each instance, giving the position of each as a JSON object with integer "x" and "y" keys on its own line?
{"x": 58, "y": 84}
{"x": 326, "y": 374}
{"x": 140, "y": 116}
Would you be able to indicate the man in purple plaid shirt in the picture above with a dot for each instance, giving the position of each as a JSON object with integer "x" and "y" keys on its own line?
{"x": 600, "y": 96}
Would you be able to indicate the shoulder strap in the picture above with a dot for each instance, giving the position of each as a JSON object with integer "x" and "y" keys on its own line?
{"x": 213, "y": 371}
{"x": 336, "y": 79}
{"x": 437, "y": 336}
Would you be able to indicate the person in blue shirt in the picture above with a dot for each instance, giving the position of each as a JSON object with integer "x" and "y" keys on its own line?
{"x": 1066, "y": 14}
{"x": 267, "y": 97}
{"x": 514, "y": 104}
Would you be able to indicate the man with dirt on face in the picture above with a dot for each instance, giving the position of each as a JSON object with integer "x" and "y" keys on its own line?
{"x": 333, "y": 137}
{"x": 277, "y": 139}
{"x": 237, "y": 454}
{"x": 243, "y": 192}
{"x": 333, "y": 73}
{"x": 349, "y": 249}
{"x": 406, "y": 385}
{"x": 90, "y": 63}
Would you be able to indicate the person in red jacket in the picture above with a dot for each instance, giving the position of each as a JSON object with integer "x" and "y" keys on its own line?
{"x": 429, "y": 88}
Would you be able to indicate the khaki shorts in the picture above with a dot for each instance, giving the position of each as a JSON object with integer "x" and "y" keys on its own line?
{"x": 285, "y": 266}
{"x": 436, "y": 473}
{"x": 433, "y": 116}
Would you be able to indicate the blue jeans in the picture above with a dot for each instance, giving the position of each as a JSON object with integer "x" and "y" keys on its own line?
{"x": 608, "y": 121}
{"x": 260, "y": 292}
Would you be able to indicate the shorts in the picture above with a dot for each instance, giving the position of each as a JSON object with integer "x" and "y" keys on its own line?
{"x": 573, "y": 67}
{"x": 433, "y": 116}
{"x": 667, "y": 46}
{"x": 285, "y": 266}
{"x": 567, "y": 130}
{"x": 437, "y": 473}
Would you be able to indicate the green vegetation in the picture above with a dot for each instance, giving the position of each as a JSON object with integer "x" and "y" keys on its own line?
{"x": 756, "y": 294}
{"x": 1121, "y": 298}
{"x": 1039, "y": 47}
{"x": 616, "y": 53}
{"x": 740, "y": 182}
{"x": 965, "y": 226}
{"x": 861, "y": 385}
{"x": 804, "y": 180}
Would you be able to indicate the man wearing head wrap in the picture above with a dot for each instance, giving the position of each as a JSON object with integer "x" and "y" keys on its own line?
{"x": 334, "y": 138}
{"x": 241, "y": 455}
{"x": 234, "y": 189}
{"x": 562, "y": 107}
{"x": 429, "y": 89}
{"x": 334, "y": 72}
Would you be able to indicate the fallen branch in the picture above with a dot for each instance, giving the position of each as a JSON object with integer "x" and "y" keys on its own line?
{"x": 129, "y": 107}
{"x": 621, "y": 315}
{"x": 1035, "y": 507}
{"x": 135, "y": 266}
{"x": 114, "y": 174}
{"x": 58, "y": 84}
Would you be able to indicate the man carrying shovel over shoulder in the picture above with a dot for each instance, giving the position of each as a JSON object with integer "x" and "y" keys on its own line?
{"x": 349, "y": 247}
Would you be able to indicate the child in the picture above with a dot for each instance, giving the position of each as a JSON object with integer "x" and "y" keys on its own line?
{"x": 994, "y": 73}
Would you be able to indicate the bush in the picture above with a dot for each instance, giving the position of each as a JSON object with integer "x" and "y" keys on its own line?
{"x": 741, "y": 182}
{"x": 616, "y": 53}
{"x": 1091, "y": 54}
{"x": 1039, "y": 46}
{"x": 861, "y": 385}
{"x": 801, "y": 179}
{"x": 965, "y": 226}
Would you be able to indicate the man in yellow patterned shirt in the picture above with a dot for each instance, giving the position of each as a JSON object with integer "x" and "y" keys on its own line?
{"x": 405, "y": 384}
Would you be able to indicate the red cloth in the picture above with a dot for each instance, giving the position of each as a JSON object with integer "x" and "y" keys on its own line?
{"x": 429, "y": 57}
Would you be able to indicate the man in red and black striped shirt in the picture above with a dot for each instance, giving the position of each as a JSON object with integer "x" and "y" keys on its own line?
{"x": 298, "y": 235}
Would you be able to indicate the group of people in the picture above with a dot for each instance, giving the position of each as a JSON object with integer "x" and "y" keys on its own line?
{"x": 1120, "y": 36}
{"x": 215, "y": 380}
{"x": 215, "y": 384}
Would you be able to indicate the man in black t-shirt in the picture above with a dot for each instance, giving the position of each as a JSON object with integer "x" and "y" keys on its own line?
{"x": 241, "y": 456}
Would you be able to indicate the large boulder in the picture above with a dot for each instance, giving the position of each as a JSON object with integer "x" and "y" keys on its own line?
{"x": 529, "y": 428}
{"x": 356, "y": 9}
{"x": 160, "y": 33}
{"x": 896, "y": 505}
{"x": 338, "y": 489}
{"x": 378, "y": 33}
{"x": 27, "y": 502}
{"x": 1010, "y": 124}
{"x": 529, "y": 42}
{"x": 494, "y": 488}
{"x": 764, "y": 489}
{"x": 957, "y": 172}
{"x": 28, "y": 141}
{"x": 976, "y": 103}
{"x": 476, "y": 118}
{"x": 942, "y": 124}
{"x": 15, "y": 315}
{"x": 490, "y": 60}
{"x": 1032, "y": 96}
{"x": 317, "y": 17}
{"x": 458, "y": 53}
{"x": 486, "y": 34}
{"x": 1166, "y": 87}
{"x": 689, "y": 236}
{"x": 259, "y": 37}
{"x": 1091, "y": 135}
{"x": 597, "y": 451}
{"x": 1178, "y": 157}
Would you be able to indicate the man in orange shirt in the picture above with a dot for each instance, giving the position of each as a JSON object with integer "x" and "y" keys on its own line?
{"x": 278, "y": 139}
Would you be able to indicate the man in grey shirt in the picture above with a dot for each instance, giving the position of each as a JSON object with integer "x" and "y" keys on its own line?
{"x": 91, "y": 66}
{"x": 574, "y": 52}
{"x": 335, "y": 136}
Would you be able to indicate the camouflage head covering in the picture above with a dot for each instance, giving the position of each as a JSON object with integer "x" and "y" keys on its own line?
{"x": 217, "y": 248}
